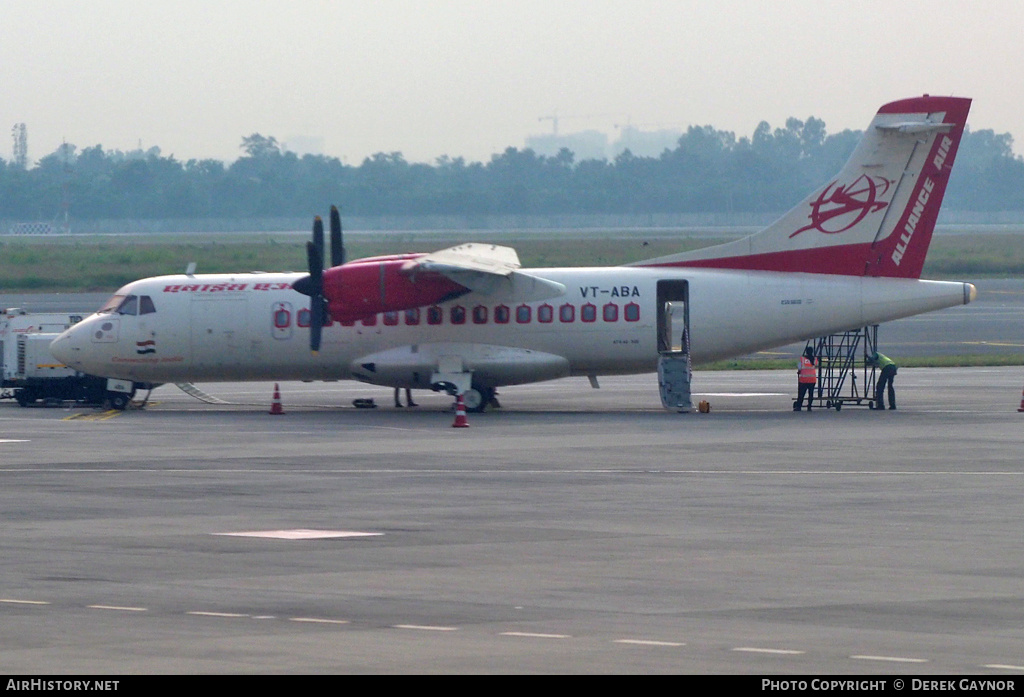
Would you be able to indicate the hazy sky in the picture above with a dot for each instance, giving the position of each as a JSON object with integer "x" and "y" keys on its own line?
{"x": 472, "y": 77}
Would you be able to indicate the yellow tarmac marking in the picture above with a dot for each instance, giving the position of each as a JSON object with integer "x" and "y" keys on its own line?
{"x": 14, "y": 601}
{"x": 100, "y": 416}
{"x": 782, "y": 652}
{"x": 533, "y": 635}
{"x": 426, "y": 627}
{"x": 316, "y": 620}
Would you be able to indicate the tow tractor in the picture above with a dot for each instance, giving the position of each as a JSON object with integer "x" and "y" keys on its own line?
{"x": 31, "y": 375}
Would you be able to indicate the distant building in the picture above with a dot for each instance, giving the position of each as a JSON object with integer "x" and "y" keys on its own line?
{"x": 646, "y": 143}
{"x": 304, "y": 145}
{"x": 585, "y": 145}
{"x": 594, "y": 145}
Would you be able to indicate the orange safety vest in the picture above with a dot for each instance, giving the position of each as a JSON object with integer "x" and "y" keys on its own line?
{"x": 807, "y": 371}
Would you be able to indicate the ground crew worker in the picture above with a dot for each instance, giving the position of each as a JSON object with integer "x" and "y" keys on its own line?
{"x": 408, "y": 397}
{"x": 888, "y": 366}
{"x": 807, "y": 376}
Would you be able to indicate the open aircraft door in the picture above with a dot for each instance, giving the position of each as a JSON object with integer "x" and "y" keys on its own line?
{"x": 674, "y": 367}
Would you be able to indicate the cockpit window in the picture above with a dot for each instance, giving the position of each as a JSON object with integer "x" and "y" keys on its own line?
{"x": 130, "y": 306}
{"x": 124, "y": 304}
{"x": 111, "y": 305}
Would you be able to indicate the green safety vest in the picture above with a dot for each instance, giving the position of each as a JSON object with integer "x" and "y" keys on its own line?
{"x": 884, "y": 361}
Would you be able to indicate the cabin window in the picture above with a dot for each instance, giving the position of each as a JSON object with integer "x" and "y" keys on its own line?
{"x": 588, "y": 313}
{"x": 480, "y": 314}
{"x": 146, "y": 306}
{"x": 412, "y": 317}
{"x": 632, "y": 312}
{"x": 370, "y": 321}
{"x": 567, "y": 313}
{"x": 458, "y": 315}
{"x": 304, "y": 318}
{"x": 545, "y": 313}
{"x": 524, "y": 313}
{"x": 434, "y": 315}
{"x": 282, "y": 318}
{"x": 501, "y": 314}
{"x": 610, "y": 312}
{"x": 391, "y": 318}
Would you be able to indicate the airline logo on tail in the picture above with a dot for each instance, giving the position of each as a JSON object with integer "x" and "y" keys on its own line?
{"x": 839, "y": 207}
{"x": 915, "y": 216}
{"x": 922, "y": 200}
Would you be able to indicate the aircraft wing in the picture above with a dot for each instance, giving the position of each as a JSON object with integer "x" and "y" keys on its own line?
{"x": 486, "y": 258}
{"x": 491, "y": 270}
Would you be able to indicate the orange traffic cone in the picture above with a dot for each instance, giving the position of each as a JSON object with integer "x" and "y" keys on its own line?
{"x": 460, "y": 413}
{"x": 275, "y": 406}
{"x": 1021, "y": 401}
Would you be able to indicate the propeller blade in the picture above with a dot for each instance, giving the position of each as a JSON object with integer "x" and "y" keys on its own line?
{"x": 318, "y": 237}
{"x": 313, "y": 286}
{"x": 337, "y": 248}
{"x": 315, "y": 261}
{"x": 316, "y": 323}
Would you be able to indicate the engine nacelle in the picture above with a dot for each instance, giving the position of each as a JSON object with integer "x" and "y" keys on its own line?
{"x": 488, "y": 364}
{"x": 363, "y": 288}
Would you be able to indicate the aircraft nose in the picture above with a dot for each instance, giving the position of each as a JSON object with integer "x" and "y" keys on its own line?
{"x": 67, "y": 348}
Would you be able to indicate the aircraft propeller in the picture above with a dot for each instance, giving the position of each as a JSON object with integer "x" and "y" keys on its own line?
{"x": 313, "y": 284}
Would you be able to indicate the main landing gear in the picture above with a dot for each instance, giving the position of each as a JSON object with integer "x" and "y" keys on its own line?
{"x": 477, "y": 398}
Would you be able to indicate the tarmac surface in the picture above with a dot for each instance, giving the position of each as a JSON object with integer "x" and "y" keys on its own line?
{"x": 572, "y": 531}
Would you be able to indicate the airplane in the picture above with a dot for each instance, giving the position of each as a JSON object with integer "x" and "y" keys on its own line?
{"x": 469, "y": 319}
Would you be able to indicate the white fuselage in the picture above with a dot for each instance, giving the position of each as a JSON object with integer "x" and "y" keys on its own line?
{"x": 236, "y": 327}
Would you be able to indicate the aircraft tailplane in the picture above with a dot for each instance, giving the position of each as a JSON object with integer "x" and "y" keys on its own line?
{"x": 876, "y": 217}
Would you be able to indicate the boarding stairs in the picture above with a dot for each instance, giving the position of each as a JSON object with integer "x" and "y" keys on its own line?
{"x": 844, "y": 376}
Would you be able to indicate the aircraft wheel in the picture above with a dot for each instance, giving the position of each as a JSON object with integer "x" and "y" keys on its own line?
{"x": 473, "y": 400}
{"x": 24, "y": 397}
{"x": 118, "y": 400}
{"x": 477, "y": 398}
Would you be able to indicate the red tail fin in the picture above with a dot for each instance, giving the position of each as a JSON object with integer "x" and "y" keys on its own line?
{"x": 876, "y": 217}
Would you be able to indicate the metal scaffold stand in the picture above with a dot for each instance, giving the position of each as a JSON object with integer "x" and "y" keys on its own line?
{"x": 844, "y": 376}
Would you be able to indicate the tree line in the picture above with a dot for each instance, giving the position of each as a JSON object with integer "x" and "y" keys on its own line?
{"x": 709, "y": 171}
